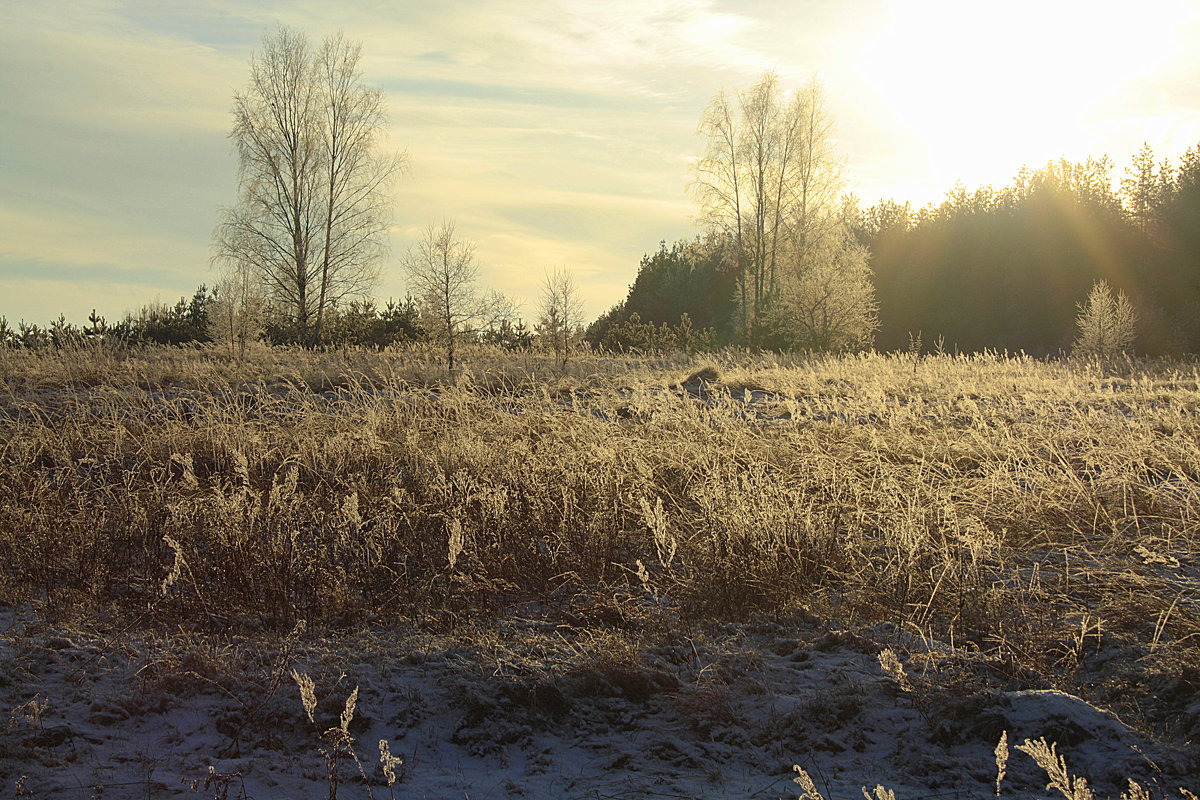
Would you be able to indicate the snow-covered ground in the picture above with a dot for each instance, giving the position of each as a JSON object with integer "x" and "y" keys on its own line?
{"x": 530, "y": 708}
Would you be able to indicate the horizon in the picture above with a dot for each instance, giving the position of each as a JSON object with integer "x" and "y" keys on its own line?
{"x": 547, "y": 135}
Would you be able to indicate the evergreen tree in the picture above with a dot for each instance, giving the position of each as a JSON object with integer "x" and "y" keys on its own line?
{"x": 1106, "y": 324}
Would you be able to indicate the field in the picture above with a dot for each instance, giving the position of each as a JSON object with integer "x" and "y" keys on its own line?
{"x": 626, "y": 578}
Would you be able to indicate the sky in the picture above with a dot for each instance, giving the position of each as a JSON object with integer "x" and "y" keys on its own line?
{"x": 554, "y": 133}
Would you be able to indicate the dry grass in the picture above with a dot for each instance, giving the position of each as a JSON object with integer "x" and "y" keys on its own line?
{"x": 1035, "y": 513}
{"x": 1044, "y": 754}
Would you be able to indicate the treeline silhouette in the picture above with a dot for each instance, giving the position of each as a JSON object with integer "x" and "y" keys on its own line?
{"x": 360, "y": 323}
{"x": 684, "y": 297}
{"x": 1007, "y": 268}
{"x": 994, "y": 269}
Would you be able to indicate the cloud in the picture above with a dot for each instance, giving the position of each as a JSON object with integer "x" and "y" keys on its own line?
{"x": 71, "y": 264}
{"x": 519, "y": 117}
{"x": 555, "y": 133}
{"x": 621, "y": 46}
{"x": 106, "y": 81}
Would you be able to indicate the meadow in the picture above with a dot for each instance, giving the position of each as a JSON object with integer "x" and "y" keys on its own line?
{"x": 984, "y": 523}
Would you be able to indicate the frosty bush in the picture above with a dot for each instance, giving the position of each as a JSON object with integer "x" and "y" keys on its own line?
{"x": 1106, "y": 324}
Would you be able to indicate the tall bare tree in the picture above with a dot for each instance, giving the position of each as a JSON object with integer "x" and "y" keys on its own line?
{"x": 719, "y": 177}
{"x": 768, "y": 182}
{"x": 313, "y": 208}
{"x": 560, "y": 313}
{"x": 817, "y": 212}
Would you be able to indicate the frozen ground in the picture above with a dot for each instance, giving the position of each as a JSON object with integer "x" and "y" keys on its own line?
{"x": 533, "y": 707}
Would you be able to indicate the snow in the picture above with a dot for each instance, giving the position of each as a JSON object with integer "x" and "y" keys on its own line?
{"x": 525, "y": 709}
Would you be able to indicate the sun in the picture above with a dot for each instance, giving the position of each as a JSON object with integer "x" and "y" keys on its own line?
{"x": 982, "y": 88}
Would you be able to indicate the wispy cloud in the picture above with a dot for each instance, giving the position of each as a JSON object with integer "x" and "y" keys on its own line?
{"x": 556, "y": 132}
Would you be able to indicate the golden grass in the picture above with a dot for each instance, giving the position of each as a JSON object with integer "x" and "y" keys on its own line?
{"x": 1031, "y": 511}
{"x": 1044, "y": 754}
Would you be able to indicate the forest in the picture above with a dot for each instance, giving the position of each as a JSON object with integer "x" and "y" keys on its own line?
{"x": 1000, "y": 269}
{"x": 995, "y": 269}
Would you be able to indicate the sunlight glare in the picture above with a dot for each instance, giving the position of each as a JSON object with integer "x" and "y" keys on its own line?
{"x": 984, "y": 88}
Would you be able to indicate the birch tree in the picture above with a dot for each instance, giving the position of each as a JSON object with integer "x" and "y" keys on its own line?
{"x": 560, "y": 313}
{"x": 768, "y": 182}
{"x": 235, "y": 314}
{"x": 313, "y": 208}
{"x": 444, "y": 277}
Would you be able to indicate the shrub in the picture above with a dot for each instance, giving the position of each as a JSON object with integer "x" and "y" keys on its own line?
{"x": 1106, "y": 324}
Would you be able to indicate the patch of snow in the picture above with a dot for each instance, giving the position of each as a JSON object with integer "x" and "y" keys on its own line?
{"x": 724, "y": 714}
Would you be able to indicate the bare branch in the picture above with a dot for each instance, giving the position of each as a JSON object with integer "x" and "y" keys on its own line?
{"x": 313, "y": 210}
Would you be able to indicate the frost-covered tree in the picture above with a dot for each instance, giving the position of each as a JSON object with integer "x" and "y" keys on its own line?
{"x": 236, "y": 312}
{"x": 444, "y": 277}
{"x": 767, "y": 181}
{"x": 827, "y": 298}
{"x": 1106, "y": 322}
{"x": 560, "y": 317}
{"x": 313, "y": 209}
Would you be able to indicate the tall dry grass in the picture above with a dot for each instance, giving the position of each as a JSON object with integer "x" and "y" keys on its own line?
{"x": 1034, "y": 512}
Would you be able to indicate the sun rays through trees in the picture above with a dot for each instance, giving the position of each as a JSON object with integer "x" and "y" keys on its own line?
{"x": 770, "y": 184}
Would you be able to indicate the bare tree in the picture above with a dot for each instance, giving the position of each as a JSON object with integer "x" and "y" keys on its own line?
{"x": 444, "y": 277}
{"x": 235, "y": 315}
{"x": 816, "y": 210}
{"x": 719, "y": 187}
{"x": 768, "y": 182}
{"x": 313, "y": 211}
{"x": 560, "y": 313}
